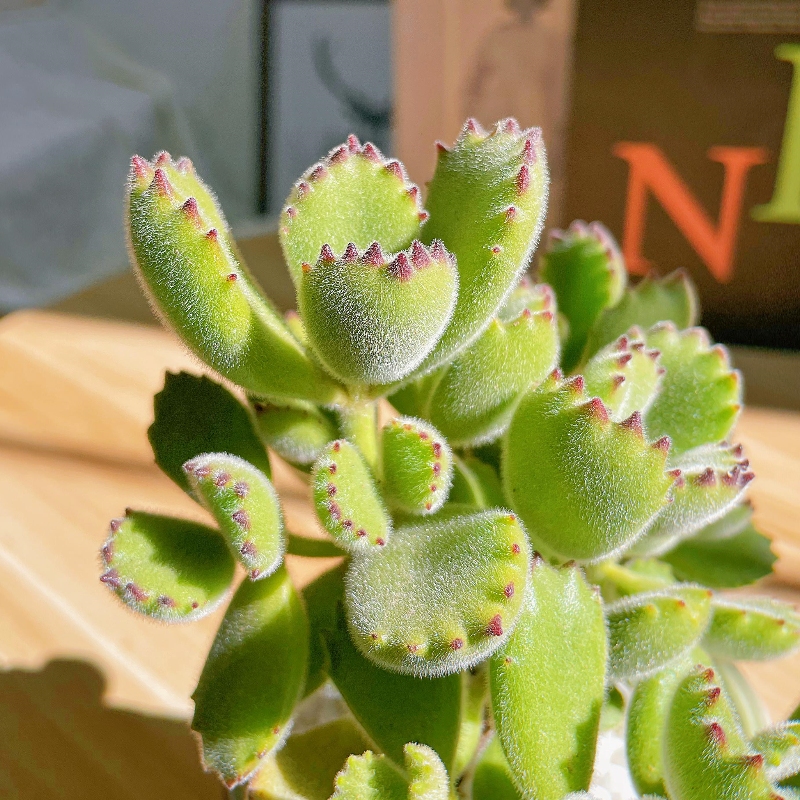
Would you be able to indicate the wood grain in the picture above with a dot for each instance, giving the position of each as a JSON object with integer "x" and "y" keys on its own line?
{"x": 92, "y": 698}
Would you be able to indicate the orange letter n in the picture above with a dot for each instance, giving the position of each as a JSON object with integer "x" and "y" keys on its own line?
{"x": 650, "y": 172}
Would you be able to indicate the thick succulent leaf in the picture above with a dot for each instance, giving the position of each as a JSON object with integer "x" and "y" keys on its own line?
{"x": 644, "y": 731}
{"x": 393, "y": 708}
{"x": 726, "y": 527}
{"x": 548, "y": 683}
{"x": 297, "y": 433}
{"x": 253, "y": 677}
{"x": 723, "y": 563}
{"x": 322, "y": 597}
{"x": 625, "y": 375}
{"x": 709, "y": 481}
{"x": 188, "y": 264}
{"x": 475, "y": 483}
{"x": 705, "y": 755}
{"x": 352, "y": 195}
{"x": 412, "y": 397}
{"x": 752, "y": 628}
{"x": 194, "y": 415}
{"x": 474, "y": 697}
{"x": 441, "y": 596}
{"x": 167, "y": 568}
{"x": 672, "y": 299}
{"x": 368, "y": 777}
{"x": 634, "y": 577}
{"x": 700, "y": 395}
{"x": 246, "y": 507}
{"x": 780, "y": 746}
{"x": 490, "y": 218}
{"x": 648, "y": 631}
{"x": 492, "y": 779}
{"x": 346, "y": 499}
{"x": 585, "y": 268}
{"x": 372, "y": 318}
{"x": 306, "y": 766}
{"x": 475, "y": 397}
{"x": 417, "y": 466}
{"x": 585, "y": 486}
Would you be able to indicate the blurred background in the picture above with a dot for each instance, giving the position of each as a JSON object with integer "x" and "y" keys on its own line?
{"x": 672, "y": 121}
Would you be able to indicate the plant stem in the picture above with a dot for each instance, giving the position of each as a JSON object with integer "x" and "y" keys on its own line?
{"x": 239, "y": 792}
{"x": 360, "y": 425}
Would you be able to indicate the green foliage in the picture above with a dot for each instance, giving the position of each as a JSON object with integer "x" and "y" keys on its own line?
{"x": 394, "y": 709}
{"x": 547, "y": 700}
{"x": 372, "y": 318}
{"x": 438, "y": 642}
{"x": 584, "y": 266}
{"x": 588, "y": 468}
{"x": 649, "y": 631}
{"x": 652, "y": 300}
{"x": 417, "y": 466}
{"x": 346, "y": 499}
{"x": 194, "y": 415}
{"x": 490, "y": 218}
{"x": 165, "y": 567}
{"x": 752, "y": 628}
{"x": 243, "y": 708}
{"x": 245, "y": 506}
{"x": 700, "y": 397}
{"x": 441, "y": 596}
{"x": 189, "y": 266}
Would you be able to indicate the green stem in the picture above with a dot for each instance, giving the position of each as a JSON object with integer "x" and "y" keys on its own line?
{"x": 312, "y": 548}
{"x": 239, "y": 792}
{"x": 360, "y": 426}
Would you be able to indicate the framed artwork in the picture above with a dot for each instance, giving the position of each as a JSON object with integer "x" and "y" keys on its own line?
{"x": 326, "y": 72}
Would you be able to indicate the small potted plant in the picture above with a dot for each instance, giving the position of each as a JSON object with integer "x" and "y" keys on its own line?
{"x": 533, "y": 540}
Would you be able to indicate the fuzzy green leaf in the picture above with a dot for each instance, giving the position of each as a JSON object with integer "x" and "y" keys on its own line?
{"x": 392, "y": 708}
{"x": 750, "y": 710}
{"x": 194, "y": 415}
{"x": 474, "y": 697}
{"x": 253, "y": 677}
{"x": 352, "y": 195}
{"x": 322, "y": 597}
{"x": 734, "y": 561}
{"x": 492, "y": 779}
{"x": 370, "y": 777}
{"x": 752, "y": 628}
{"x": 585, "y": 268}
{"x": 780, "y": 746}
{"x": 644, "y": 732}
{"x": 585, "y": 486}
{"x": 705, "y": 755}
{"x": 490, "y": 218}
{"x": 189, "y": 266}
{"x": 475, "y": 396}
{"x": 306, "y": 766}
{"x": 700, "y": 395}
{"x": 548, "y": 683}
{"x": 441, "y": 596}
{"x": 648, "y": 631}
{"x": 651, "y": 301}
{"x": 346, "y": 500}
{"x": 297, "y": 433}
{"x": 372, "y": 318}
{"x": 246, "y": 507}
{"x": 417, "y": 466}
{"x": 167, "y": 568}
{"x": 709, "y": 481}
{"x": 625, "y": 375}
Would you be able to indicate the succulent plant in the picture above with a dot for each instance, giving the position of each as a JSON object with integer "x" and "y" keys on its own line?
{"x": 536, "y": 531}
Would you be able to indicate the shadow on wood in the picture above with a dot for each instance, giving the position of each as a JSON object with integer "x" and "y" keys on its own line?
{"x": 59, "y": 740}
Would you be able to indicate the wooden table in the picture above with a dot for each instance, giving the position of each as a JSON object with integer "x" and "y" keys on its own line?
{"x": 93, "y": 699}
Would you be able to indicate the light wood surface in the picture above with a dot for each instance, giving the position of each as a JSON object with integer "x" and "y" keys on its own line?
{"x": 93, "y": 698}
